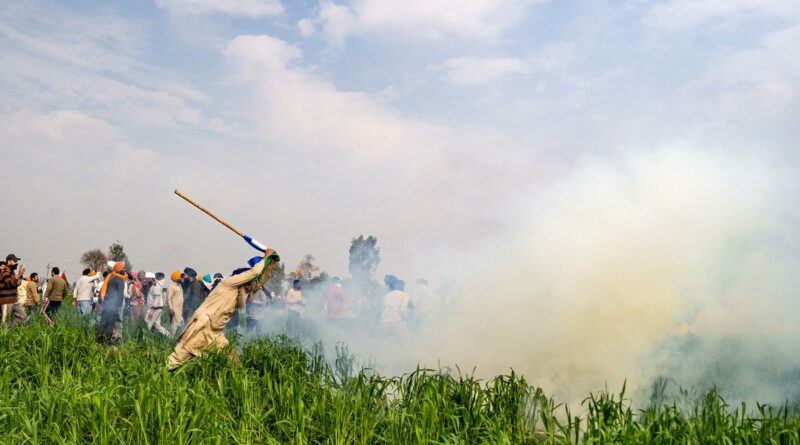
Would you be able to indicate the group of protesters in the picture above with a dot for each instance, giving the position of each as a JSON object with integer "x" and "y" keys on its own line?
{"x": 198, "y": 309}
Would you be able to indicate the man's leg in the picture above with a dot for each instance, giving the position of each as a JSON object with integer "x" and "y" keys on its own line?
{"x": 84, "y": 307}
{"x": 178, "y": 357}
{"x": 17, "y": 315}
{"x": 52, "y": 308}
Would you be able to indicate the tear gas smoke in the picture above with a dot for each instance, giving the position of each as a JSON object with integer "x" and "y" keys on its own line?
{"x": 678, "y": 263}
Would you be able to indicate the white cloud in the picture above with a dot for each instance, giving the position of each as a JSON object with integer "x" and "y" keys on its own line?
{"x": 550, "y": 59}
{"x": 677, "y": 15}
{"x": 420, "y": 18}
{"x": 423, "y": 184}
{"x": 295, "y": 108}
{"x": 476, "y": 71}
{"x": 759, "y": 83}
{"x": 306, "y": 27}
{"x": 242, "y": 8}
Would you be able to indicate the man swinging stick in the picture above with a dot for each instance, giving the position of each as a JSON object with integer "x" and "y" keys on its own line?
{"x": 205, "y": 327}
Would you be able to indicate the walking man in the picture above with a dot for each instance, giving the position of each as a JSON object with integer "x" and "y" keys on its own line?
{"x": 296, "y": 302}
{"x": 175, "y": 301}
{"x": 112, "y": 295}
{"x": 9, "y": 279}
{"x": 84, "y": 289}
{"x": 57, "y": 289}
{"x": 155, "y": 298}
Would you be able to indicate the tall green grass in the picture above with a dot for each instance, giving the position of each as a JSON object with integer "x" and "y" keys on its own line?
{"x": 58, "y": 386}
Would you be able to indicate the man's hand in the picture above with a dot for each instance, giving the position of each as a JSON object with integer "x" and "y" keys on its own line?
{"x": 171, "y": 313}
{"x": 21, "y": 271}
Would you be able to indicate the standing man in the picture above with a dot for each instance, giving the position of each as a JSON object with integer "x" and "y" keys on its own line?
{"x": 395, "y": 306}
{"x": 295, "y": 300}
{"x": 57, "y": 289}
{"x": 175, "y": 301}
{"x": 32, "y": 294}
{"x": 206, "y": 327}
{"x": 84, "y": 288}
{"x": 192, "y": 292}
{"x": 256, "y": 308}
{"x": 18, "y": 315}
{"x": 155, "y": 298}
{"x": 112, "y": 296}
{"x": 137, "y": 298}
{"x": 9, "y": 279}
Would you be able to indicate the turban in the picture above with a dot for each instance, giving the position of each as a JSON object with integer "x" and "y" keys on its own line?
{"x": 110, "y": 264}
{"x": 119, "y": 266}
{"x": 218, "y": 276}
{"x": 159, "y": 276}
{"x": 191, "y": 272}
{"x": 150, "y": 275}
{"x": 207, "y": 281}
{"x": 255, "y": 260}
{"x": 176, "y": 275}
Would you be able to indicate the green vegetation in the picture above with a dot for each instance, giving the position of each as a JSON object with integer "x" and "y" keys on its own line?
{"x": 58, "y": 386}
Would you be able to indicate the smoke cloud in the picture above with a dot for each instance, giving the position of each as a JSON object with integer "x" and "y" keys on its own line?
{"x": 665, "y": 263}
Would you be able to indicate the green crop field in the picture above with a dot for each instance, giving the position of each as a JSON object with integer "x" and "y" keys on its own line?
{"x": 58, "y": 386}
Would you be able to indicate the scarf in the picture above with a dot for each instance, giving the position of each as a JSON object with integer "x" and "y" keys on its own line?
{"x": 123, "y": 275}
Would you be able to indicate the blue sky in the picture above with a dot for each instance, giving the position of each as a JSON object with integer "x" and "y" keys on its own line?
{"x": 359, "y": 108}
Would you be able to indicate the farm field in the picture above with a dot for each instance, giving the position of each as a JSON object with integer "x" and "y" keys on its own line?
{"x": 58, "y": 386}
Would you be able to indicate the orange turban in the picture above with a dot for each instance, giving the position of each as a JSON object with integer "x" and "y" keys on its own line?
{"x": 176, "y": 275}
{"x": 119, "y": 266}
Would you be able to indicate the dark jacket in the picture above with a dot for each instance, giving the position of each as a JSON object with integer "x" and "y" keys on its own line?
{"x": 8, "y": 285}
{"x": 193, "y": 296}
{"x": 115, "y": 295}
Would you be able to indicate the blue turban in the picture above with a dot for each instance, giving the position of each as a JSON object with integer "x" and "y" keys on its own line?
{"x": 255, "y": 260}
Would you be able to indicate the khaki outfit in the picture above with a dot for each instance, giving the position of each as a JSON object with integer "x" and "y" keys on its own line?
{"x": 206, "y": 326}
{"x": 32, "y": 294}
{"x": 175, "y": 304}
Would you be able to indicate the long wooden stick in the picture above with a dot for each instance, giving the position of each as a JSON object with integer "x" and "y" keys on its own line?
{"x": 209, "y": 213}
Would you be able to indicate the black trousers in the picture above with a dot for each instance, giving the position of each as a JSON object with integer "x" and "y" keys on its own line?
{"x": 52, "y": 308}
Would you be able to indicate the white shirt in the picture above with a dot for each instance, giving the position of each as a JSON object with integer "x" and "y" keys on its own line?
{"x": 395, "y": 305}
{"x": 295, "y": 300}
{"x": 155, "y": 296}
{"x": 83, "y": 288}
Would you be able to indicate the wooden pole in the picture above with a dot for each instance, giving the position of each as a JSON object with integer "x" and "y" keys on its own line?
{"x": 209, "y": 213}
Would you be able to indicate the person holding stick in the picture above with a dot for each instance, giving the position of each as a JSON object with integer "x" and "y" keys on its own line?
{"x": 206, "y": 328}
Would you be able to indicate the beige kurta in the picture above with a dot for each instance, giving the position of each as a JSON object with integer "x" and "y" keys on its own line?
{"x": 175, "y": 304}
{"x": 206, "y": 326}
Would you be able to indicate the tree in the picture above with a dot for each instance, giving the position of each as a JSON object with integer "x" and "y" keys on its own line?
{"x": 364, "y": 258}
{"x": 307, "y": 270}
{"x": 116, "y": 252}
{"x": 94, "y": 259}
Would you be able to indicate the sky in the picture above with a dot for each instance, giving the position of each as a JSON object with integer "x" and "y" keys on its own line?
{"x": 427, "y": 124}
{"x": 619, "y": 169}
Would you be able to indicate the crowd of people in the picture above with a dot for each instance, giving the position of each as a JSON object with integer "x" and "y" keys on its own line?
{"x": 190, "y": 306}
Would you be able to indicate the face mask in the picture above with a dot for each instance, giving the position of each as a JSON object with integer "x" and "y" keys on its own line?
{"x": 14, "y": 267}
